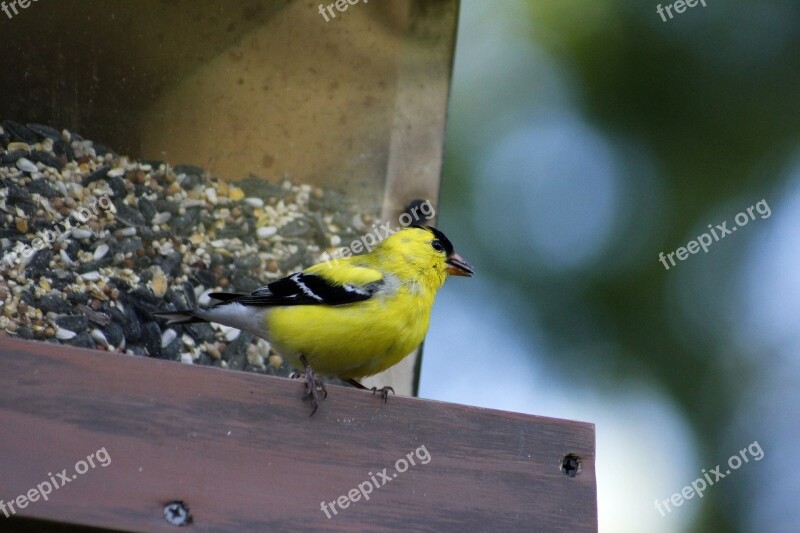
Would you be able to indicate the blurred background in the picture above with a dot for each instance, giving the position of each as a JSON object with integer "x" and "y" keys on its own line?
{"x": 584, "y": 138}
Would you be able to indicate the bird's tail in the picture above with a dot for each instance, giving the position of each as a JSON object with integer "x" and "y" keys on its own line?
{"x": 179, "y": 317}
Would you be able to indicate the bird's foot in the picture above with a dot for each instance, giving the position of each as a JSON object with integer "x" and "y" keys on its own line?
{"x": 315, "y": 388}
{"x": 384, "y": 391}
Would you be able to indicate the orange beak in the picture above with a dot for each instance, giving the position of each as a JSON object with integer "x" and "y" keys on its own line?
{"x": 457, "y": 266}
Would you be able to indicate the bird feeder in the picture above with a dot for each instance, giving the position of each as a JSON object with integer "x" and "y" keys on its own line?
{"x": 161, "y": 150}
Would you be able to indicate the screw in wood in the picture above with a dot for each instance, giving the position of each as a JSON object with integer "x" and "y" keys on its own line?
{"x": 571, "y": 465}
{"x": 177, "y": 513}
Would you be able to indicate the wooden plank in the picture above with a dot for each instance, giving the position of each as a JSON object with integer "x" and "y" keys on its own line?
{"x": 242, "y": 452}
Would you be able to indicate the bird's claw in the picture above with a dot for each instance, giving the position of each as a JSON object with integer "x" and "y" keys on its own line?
{"x": 313, "y": 386}
{"x": 384, "y": 391}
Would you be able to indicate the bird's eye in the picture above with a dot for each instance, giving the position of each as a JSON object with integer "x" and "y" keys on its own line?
{"x": 438, "y": 246}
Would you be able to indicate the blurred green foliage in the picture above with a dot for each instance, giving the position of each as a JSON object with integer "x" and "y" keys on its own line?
{"x": 712, "y": 97}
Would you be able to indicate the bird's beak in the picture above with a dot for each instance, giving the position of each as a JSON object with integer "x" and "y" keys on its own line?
{"x": 457, "y": 266}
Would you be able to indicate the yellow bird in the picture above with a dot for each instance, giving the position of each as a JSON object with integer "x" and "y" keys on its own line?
{"x": 349, "y": 318}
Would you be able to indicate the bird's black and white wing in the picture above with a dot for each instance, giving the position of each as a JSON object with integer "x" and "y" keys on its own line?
{"x": 302, "y": 289}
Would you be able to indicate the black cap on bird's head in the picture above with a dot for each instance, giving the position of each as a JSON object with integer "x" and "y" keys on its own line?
{"x": 456, "y": 265}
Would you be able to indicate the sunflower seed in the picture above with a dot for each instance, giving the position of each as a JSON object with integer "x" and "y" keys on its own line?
{"x": 100, "y": 252}
{"x": 266, "y": 232}
{"x": 99, "y": 337}
{"x": 161, "y": 218}
{"x": 26, "y": 165}
{"x": 65, "y": 334}
{"x": 167, "y": 337}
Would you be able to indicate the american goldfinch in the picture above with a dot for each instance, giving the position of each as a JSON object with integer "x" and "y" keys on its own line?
{"x": 349, "y": 318}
